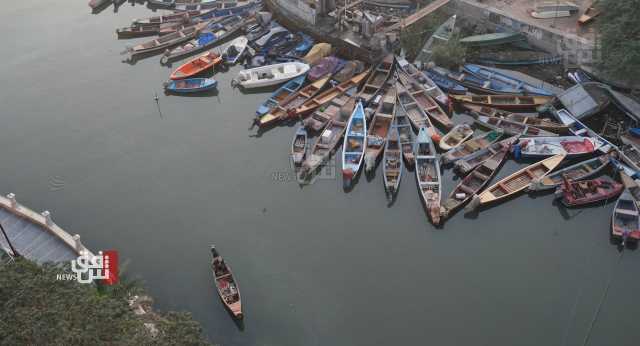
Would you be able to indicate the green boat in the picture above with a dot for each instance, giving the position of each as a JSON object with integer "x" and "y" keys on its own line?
{"x": 492, "y": 39}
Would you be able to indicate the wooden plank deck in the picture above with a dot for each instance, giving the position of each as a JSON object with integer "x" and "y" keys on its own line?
{"x": 410, "y": 20}
{"x": 35, "y": 236}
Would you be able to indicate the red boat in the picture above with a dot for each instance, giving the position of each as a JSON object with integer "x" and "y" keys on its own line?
{"x": 226, "y": 284}
{"x": 577, "y": 193}
{"x": 195, "y": 66}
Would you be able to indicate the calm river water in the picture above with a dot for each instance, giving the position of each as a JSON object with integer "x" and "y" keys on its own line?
{"x": 82, "y": 137}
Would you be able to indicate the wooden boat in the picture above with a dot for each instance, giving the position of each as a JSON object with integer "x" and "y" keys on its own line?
{"x": 481, "y": 85}
{"x": 471, "y": 146}
{"x": 456, "y": 136}
{"x": 428, "y": 175}
{"x": 270, "y": 75}
{"x": 474, "y": 182}
{"x": 226, "y": 284}
{"x": 511, "y": 128}
{"x": 405, "y": 132}
{"x": 467, "y": 163}
{"x": 299, "y": 146}
{"x": 585, "y": 192}
{"x": 213, "y": 34}
{"x": 631, "y": 156}
{"x": 492, "y": 39}
{"x": 379, "y": 129}
{"x": 425, "y": 101}
{"x": 517, "y": 58}
{"x": 625, "y": 221}
{"x": 162, "y": 3}
{"x": 589, "y": 14}
{"x": 326, "y": 96}
{"x": 235, "y": 50}
{"x": 135, "y": 31}
{"x": 524, "y": 119}
{"x": 446, "y": 83}
{"x": 414, "y": 112}
{"x": 165, "y": 41}
{"x": 321, "y": 116}
{"x": 190, "y": 85}
{"x": 518, "y": 84}
{"x": 198, "y": 65}
{"x": 224, "y": 7}
{"x": 94, "y": 4}
{"x": 326, "y": 143}
{"x": 430, "y": 86}
{"x": 442, "y": 34}
{"x": 579, "y": 171}
{"x": 355, "y": 142}
{"x": 287, "y": 89}
{"x": 632, "y": 185}
{"x": 280, "y": 112}
{"x": 546, "y": 146}
{"x": 392, "y": 165}
{"x": 181, "y": 17}
{"x": 504, "y": 101}
{"x": 377, "y": 78}
{"x": 516, "y": 182}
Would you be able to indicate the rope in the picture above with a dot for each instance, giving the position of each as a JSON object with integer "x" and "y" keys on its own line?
{"x": 602, "y": 300}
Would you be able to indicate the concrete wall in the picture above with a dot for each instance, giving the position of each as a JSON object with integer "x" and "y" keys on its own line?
{"x": 574, "y": 49}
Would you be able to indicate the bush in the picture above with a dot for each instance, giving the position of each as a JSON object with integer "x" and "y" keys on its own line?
{"x": 619, "y": 35}
{"x": 450, "y": 54}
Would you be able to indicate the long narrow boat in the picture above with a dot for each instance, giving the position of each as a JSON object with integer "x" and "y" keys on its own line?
{"x": 299, "y": 146}
{"x": 167, "y": 18}
{"x": 392, "y": 165}
{"x": 280, "y": 112}
{"x": 198, "y": 65}
{"x": 456, "y": 136}
{"x": 165, "y": 41}
{"x": 161, "y": 3}
{"x": 631, "y": 156}
{"x": 235, "y": 50}
{"x": 428, "y": 175}
{"x": 491, "y": 75}
{"x": 94, "y": 4}
{"x": 524, "y": 119}
{"x": 226, "y": 284}
{"x": 442, "y": 34}
{"x": 585, "y": 192}
{"x": 504, "y": 101}
{"x": 512, "y": 128}
{"x": 516, "y": 182}
{"x": 479, "y": 84}
{"x": 445, "y": 82}
{"x": 573, "y": 146}
{"x": 378, "y": 77}
{"x": 326, "y": 96}
{"x": 430, "y": 86}
{"x": 471, "y": 146}
{"x": 135, "y": 31}
{"x": 270, "y": 75}
{"x": 326, "y": 143}
{"x": 466, "y": 164}
{"x": 419, "y": 93}
{"x": 492, "y": 39}
{"x": 287, "y": 89}
{"x": 355, "y": 142}
{"x": 210, "y": 36}
{"x": 405, "y": 132}
{"x": 190, "y": 85}
{"x": 322, "y": 115}
{"x": 414, "y": 112}
{"x": 632, "y": 185}
{"x": 625, "y": 221}
{"x": 579, "y": 171}
{"x": 379, "y": 129}
{"x": 474, "y": 182}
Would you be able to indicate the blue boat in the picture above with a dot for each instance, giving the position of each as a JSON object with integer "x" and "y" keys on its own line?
{"x": 303, "y": 47}
{"x": 479, "y": 84}
{"x": 219, "y": 8}
{"x": 445, "y": 83}
{"x": 190, "y": 85}
{"x": 635, "y": 132}
{"x": 514, "y": 83}
{"x": 287, "y": 89}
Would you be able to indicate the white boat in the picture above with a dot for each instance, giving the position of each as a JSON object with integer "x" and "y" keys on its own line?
{"x": 547, "y": 146}
{"x": 355, "y": 142}
{"x": 270, "y": 75}
{"x": 235, "y": 50}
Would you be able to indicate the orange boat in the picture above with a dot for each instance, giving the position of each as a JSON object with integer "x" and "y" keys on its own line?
{"x": 197, "y": 65}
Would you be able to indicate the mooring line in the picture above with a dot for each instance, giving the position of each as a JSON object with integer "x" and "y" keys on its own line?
{"x": 602, "y": 300}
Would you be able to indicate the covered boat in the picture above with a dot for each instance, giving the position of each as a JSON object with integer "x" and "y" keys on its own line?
{"x": 270, "y": 74}
{"x": 547, "y": 146}
{"x": 350, "y": 69}
{"x": 317, "y": 52}
{"x": 355, "y": 142}
{"x": 328, "y": 65}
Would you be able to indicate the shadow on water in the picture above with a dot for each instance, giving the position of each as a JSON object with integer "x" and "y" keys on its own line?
{"x": 208, "y": 93}
{"x": 99, "y": 9}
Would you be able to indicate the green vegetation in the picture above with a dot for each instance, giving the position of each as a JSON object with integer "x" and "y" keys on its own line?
{"x": 37, "y": 309}
{"x": 619, "y": 38}
{"x": 413, "y": 38}
{"x": 450, "y": 54}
